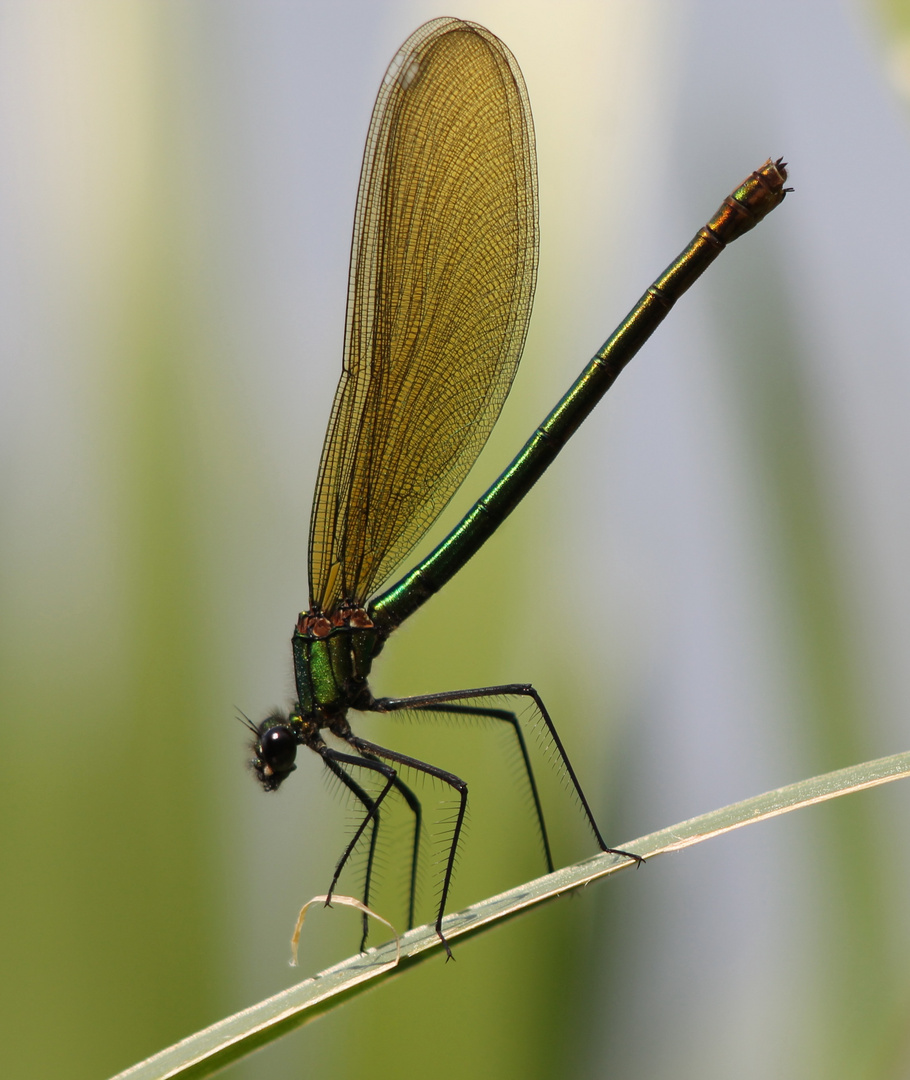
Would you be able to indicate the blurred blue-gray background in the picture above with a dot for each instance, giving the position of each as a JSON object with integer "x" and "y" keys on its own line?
{"x": 710, "y": 588}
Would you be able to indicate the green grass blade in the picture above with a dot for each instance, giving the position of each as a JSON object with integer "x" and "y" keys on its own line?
{"x": 208, "y": 1051}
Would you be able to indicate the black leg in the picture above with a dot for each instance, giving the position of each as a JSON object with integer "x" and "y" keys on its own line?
{"x": 510, "y": 718}
{"x": 429, "y": 701}
{"x": 370, "y": 806}
{"x": 417, "y": 810}
{"x": 374, "y": 751}
{"x": 334, "y": 760}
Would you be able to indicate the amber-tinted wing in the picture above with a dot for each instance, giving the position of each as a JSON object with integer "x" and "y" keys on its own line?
{"x": 443, "y": 267}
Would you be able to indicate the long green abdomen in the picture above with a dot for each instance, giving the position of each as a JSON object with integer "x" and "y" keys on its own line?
{"x": 757, "y": 196}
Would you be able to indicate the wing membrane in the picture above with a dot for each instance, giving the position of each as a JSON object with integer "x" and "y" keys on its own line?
{"x": 443, "y": 268}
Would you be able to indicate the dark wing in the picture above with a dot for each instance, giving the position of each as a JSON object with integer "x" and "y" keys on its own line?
{"x": 443, "y": 268}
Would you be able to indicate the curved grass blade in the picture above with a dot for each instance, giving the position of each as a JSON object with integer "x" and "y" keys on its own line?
{"x": 209, "y": 1051}
{"x": 443, "y": 268}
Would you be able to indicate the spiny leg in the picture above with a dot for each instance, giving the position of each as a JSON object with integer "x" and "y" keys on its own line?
{"x": 369, "y": 805}
{"x": 333, "y": 760}
{"x": 417, "y": 810}
{"x": 510, "y": 718}
{"x": 455, "y": 782}
{"x": 513, "y": 690}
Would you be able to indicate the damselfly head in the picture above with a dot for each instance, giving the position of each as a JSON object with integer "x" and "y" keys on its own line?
{"x": 275, "y": 748}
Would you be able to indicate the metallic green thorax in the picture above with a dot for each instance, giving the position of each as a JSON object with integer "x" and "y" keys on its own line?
{"x": 331, "y": 672}
{"x": 741, "y": 211}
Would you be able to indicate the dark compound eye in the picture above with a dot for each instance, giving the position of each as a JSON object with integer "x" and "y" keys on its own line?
{"x": 278, "y": 748}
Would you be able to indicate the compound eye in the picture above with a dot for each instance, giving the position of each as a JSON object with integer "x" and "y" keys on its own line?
{"x": 278, "y": 748}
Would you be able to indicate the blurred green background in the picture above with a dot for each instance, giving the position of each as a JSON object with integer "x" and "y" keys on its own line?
{"x": 709, "y": 589}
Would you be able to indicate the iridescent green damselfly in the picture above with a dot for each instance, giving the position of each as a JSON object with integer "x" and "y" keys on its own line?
{"x": 443, "y": 269}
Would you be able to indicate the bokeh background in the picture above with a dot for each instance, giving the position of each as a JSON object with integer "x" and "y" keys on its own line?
{"x": 710, "y": 588}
